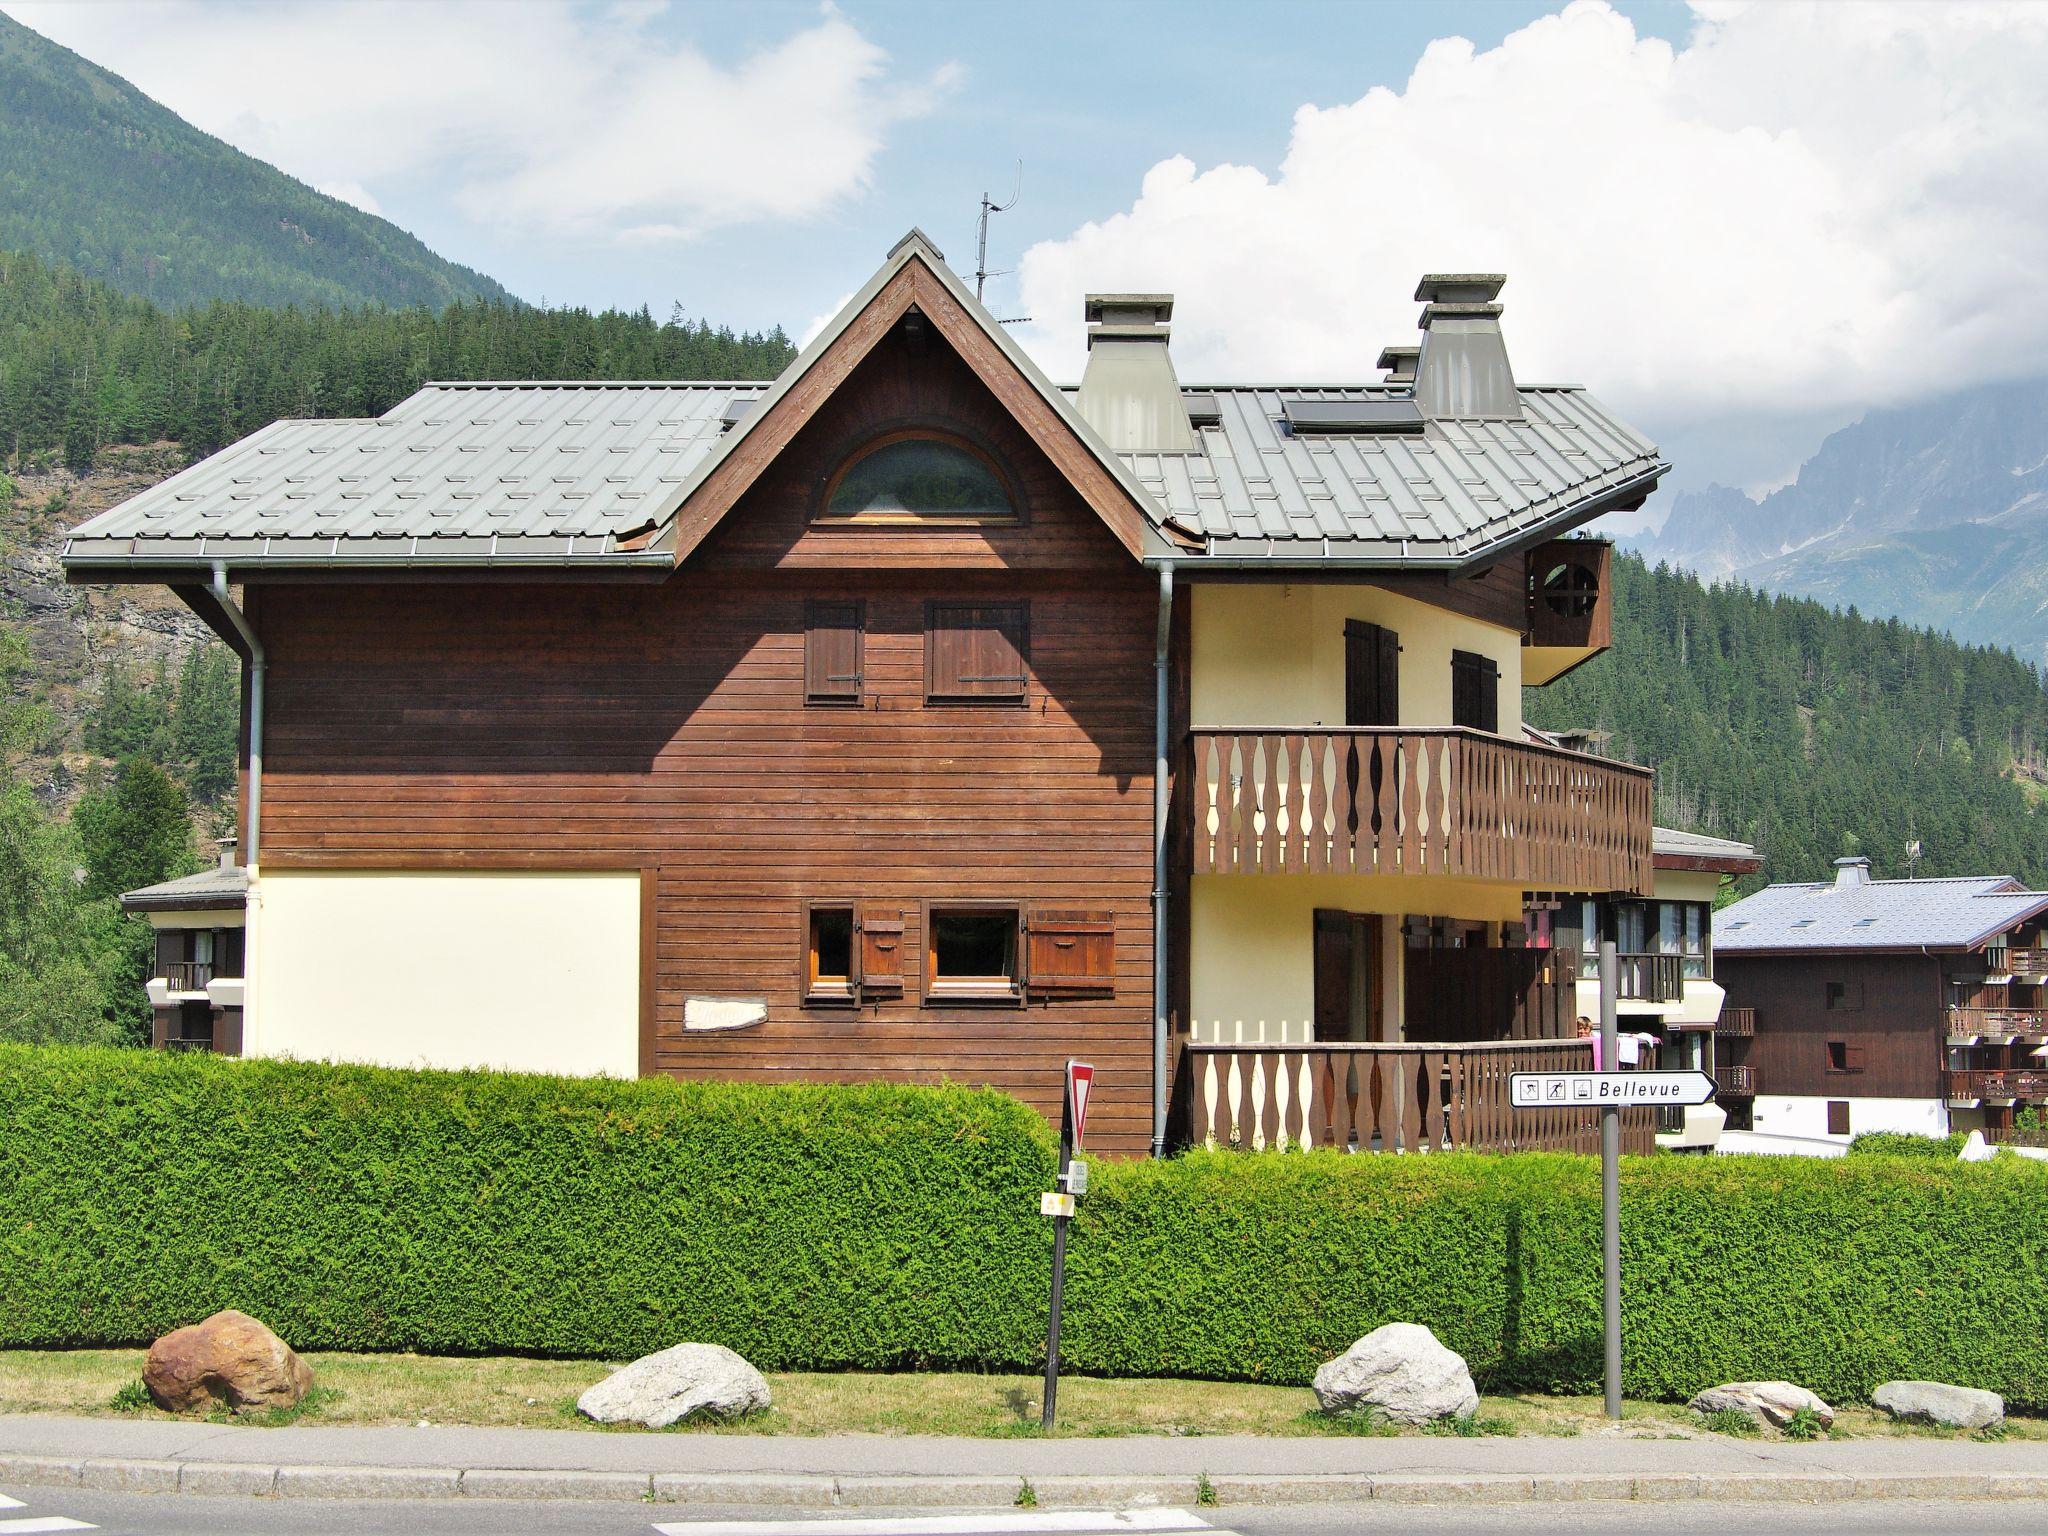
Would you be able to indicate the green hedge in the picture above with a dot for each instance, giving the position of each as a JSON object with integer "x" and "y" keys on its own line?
{"x": 355, "y": 1208}
{"x": 1906, "y": 1144}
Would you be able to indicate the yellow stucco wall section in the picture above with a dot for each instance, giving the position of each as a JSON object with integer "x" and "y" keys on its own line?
{"x": 1252, "y": 949}
{"x": 1272, "y": 654}
{"x": 536, "y": 972}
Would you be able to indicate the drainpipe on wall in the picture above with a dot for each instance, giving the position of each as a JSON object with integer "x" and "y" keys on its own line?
{"x": 1160, "y": 656}
{"x": 252, "y": 654}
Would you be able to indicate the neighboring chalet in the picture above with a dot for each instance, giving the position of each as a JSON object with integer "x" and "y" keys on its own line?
{"x": 1886, "y": 1005}
{"x": 195, "y": 978}
{"x": 912, "y": 717}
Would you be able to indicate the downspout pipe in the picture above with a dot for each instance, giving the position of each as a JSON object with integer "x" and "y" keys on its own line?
{"x": 252, "y": 651}
{"x": 1161, "y": 655}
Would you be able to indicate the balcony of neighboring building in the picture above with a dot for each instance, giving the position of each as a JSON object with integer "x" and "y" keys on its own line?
{"x": 1965, "y": 1087}
{"x": 1997, "y": 1025}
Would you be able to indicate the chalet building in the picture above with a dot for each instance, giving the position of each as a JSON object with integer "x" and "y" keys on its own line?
{"x": 912, "y": 717}
{"x": 1885, "y": 1005}
{"x": 195, "y": 980}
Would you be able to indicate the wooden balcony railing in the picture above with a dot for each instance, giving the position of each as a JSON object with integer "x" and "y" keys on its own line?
{"x": 2009, "y": 1083}
{"x": 188, "y": 975}
{"x": 1736, "y": 1082}
{"x": 1415, "y": 1097}
{"x": 1736, "y": 1021}
{"x": 2022, "y": 964}
{"x": 2016, "y": 1135}
{"x": 1964, "y": 1022}
{"x": 1387, "y": 801}
{"x": 1652, "y": 978}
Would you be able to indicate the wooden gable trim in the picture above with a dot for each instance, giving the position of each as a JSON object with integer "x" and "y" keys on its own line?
{"x": 914, "y": 285}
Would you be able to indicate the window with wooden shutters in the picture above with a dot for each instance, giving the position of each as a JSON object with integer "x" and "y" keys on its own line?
{"x": 834, "y": 652}
{"x": 1475, "y": 691}
{"x": 1069, "y": 954}
{"x": 1372, "y": 674}
{"x": 971, "y": 954}
{"x": 878, "y": 951}
{"x": 831, "y": 965}
{"x": 975, "y": 653}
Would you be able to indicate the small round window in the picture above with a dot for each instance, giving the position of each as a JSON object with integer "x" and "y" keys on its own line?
{"x": 918, "y": 478}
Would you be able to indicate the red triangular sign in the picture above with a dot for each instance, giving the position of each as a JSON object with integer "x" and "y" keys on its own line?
{"x": 1080, "y": 1080}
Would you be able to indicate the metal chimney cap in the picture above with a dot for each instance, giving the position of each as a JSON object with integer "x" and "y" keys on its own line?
{"x": 1399, "y": 363}
{"x": 1460, "y": 287}
{"x": 1132, "y": 308}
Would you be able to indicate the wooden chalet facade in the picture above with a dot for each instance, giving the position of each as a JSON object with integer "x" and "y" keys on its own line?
{"x": 816, "y": 730}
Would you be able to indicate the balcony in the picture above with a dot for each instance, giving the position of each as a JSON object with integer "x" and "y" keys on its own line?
{"x": 1996, "y": 1086}
{"x": 1736, "y": 1082}
{"x": 187, "y": 975}
{"x": 1391, "y": 801}
{"x": 1652, "y": 978}
{"x": 1967, "y": 1024}
{"x": 1414, "y": 1097}
{"x": 1737, "y": 1021}
{"x": 2029, "y": 965}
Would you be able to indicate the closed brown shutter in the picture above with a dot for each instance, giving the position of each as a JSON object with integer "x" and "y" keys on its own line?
{"x": 833, "y": 652}
{"x": 878, "y": 952}
{"x": 975, "y": 651}
{"x": 1372, "y": 674}
{"x": 1838, "y": 1117}
{"x": 1069, "y": 953}
{"x": 1475, "y": 691}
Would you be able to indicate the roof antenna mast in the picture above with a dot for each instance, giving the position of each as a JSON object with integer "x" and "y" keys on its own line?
{"x": 981, "y": 271}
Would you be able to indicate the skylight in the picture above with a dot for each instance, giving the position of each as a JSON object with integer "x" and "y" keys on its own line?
{"x": 1866, "y": 922}
{"x": 1804, "y": 922}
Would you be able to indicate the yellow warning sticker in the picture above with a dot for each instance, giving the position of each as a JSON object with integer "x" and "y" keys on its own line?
{"x": 1054, "y": 1204}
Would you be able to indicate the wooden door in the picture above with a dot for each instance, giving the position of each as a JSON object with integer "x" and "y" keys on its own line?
{"x": 1347, "y": 973}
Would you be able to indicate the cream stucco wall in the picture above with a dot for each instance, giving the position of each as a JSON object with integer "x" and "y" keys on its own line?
{"x": 1266, "y": 653}
{"x": 1684, "y": 885}
{"x": 536, "y": 972}
{"x": 1251, "y": 947}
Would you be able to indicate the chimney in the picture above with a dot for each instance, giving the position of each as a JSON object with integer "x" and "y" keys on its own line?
{"x": 1129, "y": 392}
{"x": 1462, "y": 372}
{"x": 1851, "y": 873}
{"x": 1399, "y": 363}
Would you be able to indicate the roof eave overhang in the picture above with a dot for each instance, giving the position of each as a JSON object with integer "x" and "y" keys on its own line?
{"x": 1709, "y": 863}
{"x": 1432, "y": 555}
{"x": 94, "y": 569}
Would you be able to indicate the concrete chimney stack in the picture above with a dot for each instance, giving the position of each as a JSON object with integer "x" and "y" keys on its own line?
{"x": 1129, "y": 392}
{"x": 1462, "y": 373}
{"x": 1399, "y": 363}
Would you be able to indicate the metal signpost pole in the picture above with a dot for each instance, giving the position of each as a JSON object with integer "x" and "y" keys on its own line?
{"x": 1059, "y": 1257}
{"x": 1610, "y": 1167}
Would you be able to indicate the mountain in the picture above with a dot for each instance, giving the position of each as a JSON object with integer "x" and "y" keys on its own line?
{"x": 1816, "y": 733}
{"x": 96, "y": 175}
{"x": 1936, "y": 513}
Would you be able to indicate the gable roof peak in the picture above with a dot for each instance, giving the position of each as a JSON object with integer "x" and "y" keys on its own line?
{"x": 920, "y": 242}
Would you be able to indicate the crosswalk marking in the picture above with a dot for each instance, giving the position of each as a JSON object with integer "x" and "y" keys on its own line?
{"x": 1064, "y": 1522}
{"x": 41, "y": 1523}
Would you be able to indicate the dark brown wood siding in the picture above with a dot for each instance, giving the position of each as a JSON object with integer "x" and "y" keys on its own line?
{"x": 665, "y": 728}
{"x": 1899, "y": 1027}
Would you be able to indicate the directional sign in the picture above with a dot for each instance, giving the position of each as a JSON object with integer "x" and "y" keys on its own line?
{"x": 1576, "y": 1090}
{"x": 1080, "y": 1083}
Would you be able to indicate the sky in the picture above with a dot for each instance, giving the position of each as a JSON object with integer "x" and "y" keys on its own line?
{"x": 1742, "y": 224}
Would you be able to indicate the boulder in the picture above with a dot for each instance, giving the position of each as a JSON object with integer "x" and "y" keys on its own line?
{"x": 1770, "y": 1402}
{"x": 1401, "y": 1372}
{"x": 230, "y": 1358}
{"x": 675, "y": 1384}
{"x": 1936, "y": 1402}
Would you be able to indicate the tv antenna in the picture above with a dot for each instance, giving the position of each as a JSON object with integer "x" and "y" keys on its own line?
{"x": 981, "y": 271}
{"x": 1912, "y": 857}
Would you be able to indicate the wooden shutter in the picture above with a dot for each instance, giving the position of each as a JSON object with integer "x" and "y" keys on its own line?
{"x": 833, "y": 652}
{"x": 1372, "y": 674}
{"x": 1852, "y": 1058}
{"x": 975, "y": 651}
{"x": 878, "y": 952}
{"x": 1475, "y": 691}
{"x": 1838, "y": 1117}
{"x": 1069, "y": 953}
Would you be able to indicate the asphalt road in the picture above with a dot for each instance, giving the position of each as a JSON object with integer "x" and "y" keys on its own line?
{"x": 183, "y": 1515}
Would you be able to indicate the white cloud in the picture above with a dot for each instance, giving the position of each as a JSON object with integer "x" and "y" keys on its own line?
{"x": 1805, "y": 208}
{"x": 546, "y": 119}
{"x": 353, "y": 192}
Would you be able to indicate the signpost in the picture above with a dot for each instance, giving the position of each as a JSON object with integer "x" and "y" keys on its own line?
{"x": 1609, "y": 1092}
{"x": 1059, "y": 1205}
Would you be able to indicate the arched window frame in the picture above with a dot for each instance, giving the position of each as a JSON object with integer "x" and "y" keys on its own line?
{"x": 869, "y": 446}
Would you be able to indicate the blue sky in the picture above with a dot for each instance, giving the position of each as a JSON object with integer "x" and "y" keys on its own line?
{"x": 1743, "y": 224}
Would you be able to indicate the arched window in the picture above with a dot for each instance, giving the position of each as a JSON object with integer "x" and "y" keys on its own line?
{"x": 918, "y": 477}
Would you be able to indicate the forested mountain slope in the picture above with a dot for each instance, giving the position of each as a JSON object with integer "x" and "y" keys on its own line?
{"x": 96, "y": 175}
{"x": 1814, "y": 732}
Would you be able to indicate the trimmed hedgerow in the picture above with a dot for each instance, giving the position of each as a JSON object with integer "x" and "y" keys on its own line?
{"x": 880, "y": 1227}
{"x": 1906, "y": 1144}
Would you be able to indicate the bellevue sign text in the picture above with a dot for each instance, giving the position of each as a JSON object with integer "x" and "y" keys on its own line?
{"x": 1566, "y": 1090}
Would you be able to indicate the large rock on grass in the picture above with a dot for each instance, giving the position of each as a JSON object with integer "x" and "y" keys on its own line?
{"x": 1768, "y": 1402}
{"x": 230, "y": 1358}
{"x": 686, "y": 1382}
{"x": 1936, "y": 1402}
{"x": 1401, "y": 1372}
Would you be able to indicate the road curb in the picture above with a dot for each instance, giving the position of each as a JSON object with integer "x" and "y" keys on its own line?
{"x": 882, "y": 1491}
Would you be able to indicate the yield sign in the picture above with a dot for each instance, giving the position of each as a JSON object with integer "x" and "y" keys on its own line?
{"x": 1080, "y": 1083}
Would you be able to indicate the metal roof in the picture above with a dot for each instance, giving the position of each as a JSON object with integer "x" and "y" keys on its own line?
{"x": 1670, "y": 843}
{"x": 220, "y": 888}
{"x": 1875, "y": 914}
{"x": 594, "y": 474}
